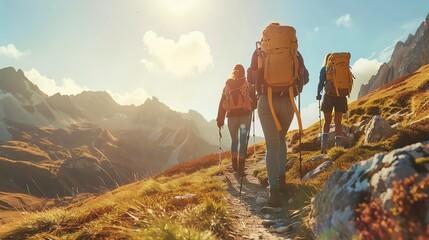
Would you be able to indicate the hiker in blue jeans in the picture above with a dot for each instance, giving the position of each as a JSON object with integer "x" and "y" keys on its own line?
{"x": 236, "y": 104}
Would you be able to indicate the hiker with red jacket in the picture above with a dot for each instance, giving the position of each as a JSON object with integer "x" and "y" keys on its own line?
{"x": 281, "y": 106}
{"x": 236, "y": 104}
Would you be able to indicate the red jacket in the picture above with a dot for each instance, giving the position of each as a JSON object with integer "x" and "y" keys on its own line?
{"x": 234, "y": 112}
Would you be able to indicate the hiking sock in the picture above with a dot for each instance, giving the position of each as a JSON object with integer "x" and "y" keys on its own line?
{"x": 338, "y": 141}
{"x": 234, "y": 164}
{"x": 324, "y": 142}
{"x": 274, "y": 198}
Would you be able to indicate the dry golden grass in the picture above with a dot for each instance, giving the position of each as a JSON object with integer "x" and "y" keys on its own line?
{"x": 142, "y": 210}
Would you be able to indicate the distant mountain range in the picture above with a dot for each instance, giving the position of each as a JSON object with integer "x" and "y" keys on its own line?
{"x": 406, "y": 58}
{"x": 84, "y": 141}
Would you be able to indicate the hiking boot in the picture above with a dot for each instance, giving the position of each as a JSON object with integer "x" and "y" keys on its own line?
{"x": 234, "y": 164}
{"x": 282, "y": 183}
{"x": 338, "y": 141}
{"x": 274, "y": 198}
{"x": 324, "y": 143}
{"x": 241, "y": 167}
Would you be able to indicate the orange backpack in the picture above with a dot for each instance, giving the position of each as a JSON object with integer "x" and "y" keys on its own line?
{"x": 237, "y": 98}
{"x": 280, "y": 63}
{"x": 339, "y": 78}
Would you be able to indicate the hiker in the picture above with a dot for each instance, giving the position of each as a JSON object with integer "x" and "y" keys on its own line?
{"x": 337, "y": 86}
{"x": 236, "y": 103}
{"x": 276, "y": 114}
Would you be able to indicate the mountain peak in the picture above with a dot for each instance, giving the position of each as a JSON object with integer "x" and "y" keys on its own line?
{"x": 406, "y": 58}
{"x": 15, "y": 82}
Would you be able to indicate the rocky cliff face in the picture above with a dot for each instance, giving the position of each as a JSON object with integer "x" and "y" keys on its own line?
{"x": 407, "y": 57}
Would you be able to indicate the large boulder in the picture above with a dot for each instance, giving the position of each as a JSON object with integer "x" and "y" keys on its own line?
{"x": 377, "y": 130}
{"x": 318, "y": 170}
{"x": 333, "y": 208}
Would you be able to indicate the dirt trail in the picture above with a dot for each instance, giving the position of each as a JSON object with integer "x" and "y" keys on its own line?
{"x": 248, "y": 217}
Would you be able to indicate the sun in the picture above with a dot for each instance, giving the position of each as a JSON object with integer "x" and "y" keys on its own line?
{"x": 180, "y": 7}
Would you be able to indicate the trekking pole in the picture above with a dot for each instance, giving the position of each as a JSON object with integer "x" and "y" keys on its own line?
{"x": 300, "y": 146}
{"x": 348, "y": 128}
{"x": 254, "y": 137}
{"x": 320, "y": 127}
{"x": 220, "y": 150}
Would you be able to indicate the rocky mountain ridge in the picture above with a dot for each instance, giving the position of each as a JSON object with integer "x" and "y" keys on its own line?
{"x": 406, "y": 58}
{"x": 62, "y": 133}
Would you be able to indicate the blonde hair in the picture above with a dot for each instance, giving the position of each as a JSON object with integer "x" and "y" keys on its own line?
{"x": 238, "y": 72}
{"x": 326, "y": 59}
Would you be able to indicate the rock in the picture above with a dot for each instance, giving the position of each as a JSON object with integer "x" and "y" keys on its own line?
{"x": 260, "y": 201}
{"x": 348, "y": 138}
{"x": 334, "y": 206}
{"x": 318, "y": 170}
{"x": 186, "y": 196}
{"x": 377, "y": 130}
{"x": 319, "y": 158}
{"x": 267, "y": 209}
{"x": 290, "y": 162}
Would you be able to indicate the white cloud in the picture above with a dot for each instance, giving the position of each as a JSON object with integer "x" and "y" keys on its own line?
{"x": 316, "y": 29}
{"x": 386, "y": 53}
{"x": 137, "y": 97}
{"x": 70, "y": 87}
{"x": 188, "y": 56}
{"x": 363, "y": 69}
{"x": 345, "y": 20}
{"x": 50, "y": 87}
{"x": 148, "y": 64}
{"x": 11, "y": 51}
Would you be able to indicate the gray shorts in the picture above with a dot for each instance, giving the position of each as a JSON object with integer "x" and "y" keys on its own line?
{"x": 333, "y": 102}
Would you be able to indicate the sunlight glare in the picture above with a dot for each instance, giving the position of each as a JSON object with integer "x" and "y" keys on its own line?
{"x": 180, "y": 7}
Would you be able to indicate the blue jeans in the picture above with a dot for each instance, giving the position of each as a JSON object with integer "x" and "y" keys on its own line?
{"x": 234, "y": 130}
{"x": 275, "y": 140}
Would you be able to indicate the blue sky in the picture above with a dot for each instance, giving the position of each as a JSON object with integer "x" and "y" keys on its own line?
{"x": 182, "y": 51}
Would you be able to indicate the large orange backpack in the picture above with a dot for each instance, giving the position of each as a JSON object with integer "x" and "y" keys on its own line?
{"x": 237, "y": 98}
{"x": 279, "y": 60}
{"x": 339, "y": 78}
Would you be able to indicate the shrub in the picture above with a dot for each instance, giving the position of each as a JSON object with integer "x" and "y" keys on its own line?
{"x": 357, "y": 111}
{"x": 403, "y": 98}
{"x": 405, "y": 220}
{"x": 373, "y": 110}
{"x": 310, "y": 145}
{"x": 417, "y": 132}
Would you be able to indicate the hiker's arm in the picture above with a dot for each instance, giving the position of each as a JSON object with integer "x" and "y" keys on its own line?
{"x": 221, "y": 112}
{"x": 322, "y": 79}
{"x": 303, "y": 72}
{"x": 254, "y": 60}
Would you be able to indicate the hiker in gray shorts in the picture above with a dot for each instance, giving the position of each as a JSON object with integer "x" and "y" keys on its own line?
{"x": 330, "y": 103}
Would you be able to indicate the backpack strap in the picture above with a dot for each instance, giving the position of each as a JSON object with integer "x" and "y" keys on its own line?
{"x": 273, "y": 113}
{"x": 295, "y": 109}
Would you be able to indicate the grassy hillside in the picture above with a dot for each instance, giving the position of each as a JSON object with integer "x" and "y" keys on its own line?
{"x": 189, "y": 200}
{"x": 404, "y": 103}
{"x": 188, "y": 205}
